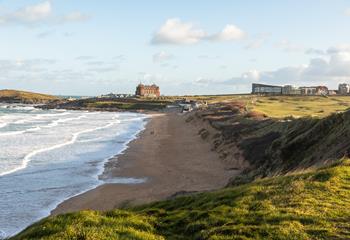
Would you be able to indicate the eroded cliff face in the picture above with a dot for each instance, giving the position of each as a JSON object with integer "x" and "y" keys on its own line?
{"x": 264, "y": 147}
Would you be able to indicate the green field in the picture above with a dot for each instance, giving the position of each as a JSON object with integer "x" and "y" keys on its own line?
{"x": 285, "y": 106}
{"x": 315, "y": 106}
{"x": 313, "y": 205}
{"x": 25, "y": 97}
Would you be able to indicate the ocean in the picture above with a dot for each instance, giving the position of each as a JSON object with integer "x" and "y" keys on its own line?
{"x": 47, "y": 156}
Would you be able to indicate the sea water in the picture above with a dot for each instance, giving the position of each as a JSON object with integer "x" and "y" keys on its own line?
{"x": 47, "y": 156}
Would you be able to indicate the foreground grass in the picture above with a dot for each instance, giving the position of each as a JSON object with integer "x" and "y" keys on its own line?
{"x": 312, "y": 205}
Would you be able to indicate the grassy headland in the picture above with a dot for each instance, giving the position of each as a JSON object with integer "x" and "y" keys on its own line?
{"x": 311, "y": 205}
{"x": 110, "y": 104}
{"x": 15, "y": 96}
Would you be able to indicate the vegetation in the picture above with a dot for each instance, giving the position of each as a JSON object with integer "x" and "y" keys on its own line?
{"x": 299, "y": 106}
{"x": 109, "y": 104}
{"x": 281, "y": 106}
{"x": 311, "y": 205}
{"x": 275, "y": 198}
{"x": 14, "y": 96}
{"x": 128, "y": 105}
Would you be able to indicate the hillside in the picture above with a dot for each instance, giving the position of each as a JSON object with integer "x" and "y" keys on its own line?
{"x": 14, "y": 96}
{"x": 275, "y": 146}
{"x": 311, "y": 205}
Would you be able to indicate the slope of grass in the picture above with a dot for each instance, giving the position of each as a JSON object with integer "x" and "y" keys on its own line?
{"x": 299, "y": 106}
{"x": 283, "y": 106}
{"x": 313, "y": 205}
{"x": 22, "y": 96}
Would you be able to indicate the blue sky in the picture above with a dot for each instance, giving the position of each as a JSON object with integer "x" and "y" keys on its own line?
{"x": 90, "y": 47}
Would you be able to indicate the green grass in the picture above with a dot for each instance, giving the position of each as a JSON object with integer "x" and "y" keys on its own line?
{"x": 25, "y": 96}
{"x": 311, "y": 205}
{"x": 283, "y": 106}
{"x": 299, "y": 106}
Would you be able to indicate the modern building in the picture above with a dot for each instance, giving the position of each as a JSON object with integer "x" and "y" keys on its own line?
{"x": 290, "y": 90}
{"x": 147, "y": 90}
{"x": 344, "y": 88}
{"x": 315, "y": 90}
{"x": 263, "y": 89}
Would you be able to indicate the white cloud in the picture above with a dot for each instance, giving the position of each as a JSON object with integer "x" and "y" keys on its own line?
{"x": 229, "y": 33}
{"x": 41, "y": 13}
{"x": 33, "y": 13}
{"x": 332, "y": 68}
{"x": 175, "y": 31}
{"x": 162, "y": 57}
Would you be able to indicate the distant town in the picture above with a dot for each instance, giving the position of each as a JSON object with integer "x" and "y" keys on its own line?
{"x": 264, "y": 89}
{"x": 153, "y": 91}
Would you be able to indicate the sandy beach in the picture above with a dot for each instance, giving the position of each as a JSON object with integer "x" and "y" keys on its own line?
{"x": 173, "y": 158}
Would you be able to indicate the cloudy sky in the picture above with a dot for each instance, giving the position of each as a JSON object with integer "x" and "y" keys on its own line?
{"x": 90, "y": 47}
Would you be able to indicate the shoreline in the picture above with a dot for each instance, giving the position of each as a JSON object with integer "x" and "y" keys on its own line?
{"x": 100, "y": 167}
{"x": 169, "y": 154}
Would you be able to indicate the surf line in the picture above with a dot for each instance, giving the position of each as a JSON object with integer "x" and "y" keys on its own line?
{"x": 28, "y": 157}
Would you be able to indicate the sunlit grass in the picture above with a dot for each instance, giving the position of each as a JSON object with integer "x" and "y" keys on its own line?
{"x": 22, "y": 95}
{"x": 299, "y": 106}
{"x": 312, "y": 205}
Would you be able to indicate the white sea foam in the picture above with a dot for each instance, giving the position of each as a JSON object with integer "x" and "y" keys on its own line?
{"x": 48, "y": 156}
{"x": 74, "y": 138}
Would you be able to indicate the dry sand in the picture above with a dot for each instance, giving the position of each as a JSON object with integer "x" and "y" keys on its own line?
{"x": 173, "y": 158}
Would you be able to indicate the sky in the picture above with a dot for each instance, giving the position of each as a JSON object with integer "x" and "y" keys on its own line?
{"x": 90, "y": 47}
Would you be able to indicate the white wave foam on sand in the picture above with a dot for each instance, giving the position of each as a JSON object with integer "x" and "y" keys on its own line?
{"x": 74, "y": 138}
{"x": 57, "y": 157}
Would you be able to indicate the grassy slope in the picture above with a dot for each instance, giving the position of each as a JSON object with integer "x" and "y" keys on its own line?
{"x": 112, "y": 104}
{"x": 25, "y": 96}
{"x": 284, "y": 106}
{"x": 312, "y": 205}
{"x": 300, "y": 106}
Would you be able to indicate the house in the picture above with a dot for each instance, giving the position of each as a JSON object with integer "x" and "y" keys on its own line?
{"x": 147, "y": 90}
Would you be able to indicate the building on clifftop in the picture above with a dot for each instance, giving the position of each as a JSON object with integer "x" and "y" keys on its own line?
{"x": 147, "y": 90}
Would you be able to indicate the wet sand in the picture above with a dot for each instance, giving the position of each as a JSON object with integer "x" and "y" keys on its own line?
{"x": 173, "y": 158}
